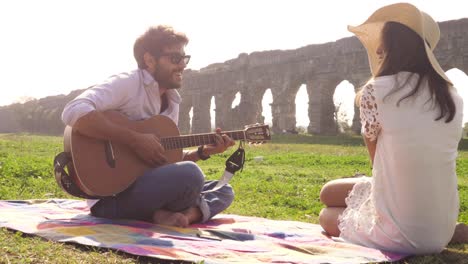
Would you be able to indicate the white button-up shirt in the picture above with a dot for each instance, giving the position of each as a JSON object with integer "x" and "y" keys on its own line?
{"x": 134, "y": 94}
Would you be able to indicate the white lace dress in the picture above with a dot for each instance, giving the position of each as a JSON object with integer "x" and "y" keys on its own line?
{"x": 410, "y": 204}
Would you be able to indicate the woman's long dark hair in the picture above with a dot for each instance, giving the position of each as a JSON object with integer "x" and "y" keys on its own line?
{"x": 404, "y": 51}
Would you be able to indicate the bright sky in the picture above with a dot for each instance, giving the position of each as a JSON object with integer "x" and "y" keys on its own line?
{"x": 53, "y": 47}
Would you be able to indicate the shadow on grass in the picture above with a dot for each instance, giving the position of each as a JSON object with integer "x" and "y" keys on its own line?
{"x": 463, "y": 145}
{"x": 345, "y": 140}
{"x": 454, "y": 254}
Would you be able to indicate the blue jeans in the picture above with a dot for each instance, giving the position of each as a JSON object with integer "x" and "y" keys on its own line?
{"x": 174, "y": 187}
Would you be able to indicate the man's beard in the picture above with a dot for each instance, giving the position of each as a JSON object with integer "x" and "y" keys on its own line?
{"x": 164, "y": 79}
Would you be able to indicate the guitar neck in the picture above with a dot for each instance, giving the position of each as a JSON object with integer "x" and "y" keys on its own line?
{"x": 187, "y": 141}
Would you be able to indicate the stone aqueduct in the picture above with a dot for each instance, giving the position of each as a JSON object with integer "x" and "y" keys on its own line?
{"x": 320, "y": 67}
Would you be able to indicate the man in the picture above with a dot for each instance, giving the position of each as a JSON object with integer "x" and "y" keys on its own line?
{"x": 168, "y": 194}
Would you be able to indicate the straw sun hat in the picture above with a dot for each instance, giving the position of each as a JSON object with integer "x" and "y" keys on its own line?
{"x": 408, "y": 15}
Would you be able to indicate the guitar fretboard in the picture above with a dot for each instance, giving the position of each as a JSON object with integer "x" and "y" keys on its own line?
{"x": 197, "y": 140}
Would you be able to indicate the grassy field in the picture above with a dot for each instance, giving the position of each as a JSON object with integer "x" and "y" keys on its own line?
{"x": 285, "y": 185}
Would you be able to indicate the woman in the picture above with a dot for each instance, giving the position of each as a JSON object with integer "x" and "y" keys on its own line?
{"x": 411, "y": 123}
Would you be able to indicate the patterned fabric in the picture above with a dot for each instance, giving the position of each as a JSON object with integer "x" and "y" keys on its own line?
{"x": 369, "y": 113}
{"x": 224, "y": 239}
{"x": 358, "y": 203}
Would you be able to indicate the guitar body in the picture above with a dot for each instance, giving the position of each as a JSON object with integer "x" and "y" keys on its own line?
{"x": 99, "y": 173}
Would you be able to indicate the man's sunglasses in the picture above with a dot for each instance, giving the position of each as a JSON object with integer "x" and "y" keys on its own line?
{"x": 176, "y": 58}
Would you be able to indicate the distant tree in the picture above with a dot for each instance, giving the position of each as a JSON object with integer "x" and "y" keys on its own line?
{"x": 301, "y": 129}
{"x": 341, "y": 119}
{"x": 24, "y": 99}
{"x": 32, "y": 115}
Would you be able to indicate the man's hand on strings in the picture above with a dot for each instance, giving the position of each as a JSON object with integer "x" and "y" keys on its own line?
{"x": 149, "y": 149}
{"x": 222, "y": 143}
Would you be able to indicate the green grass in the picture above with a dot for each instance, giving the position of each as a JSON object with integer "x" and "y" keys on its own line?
{"x": 285, "y": 185}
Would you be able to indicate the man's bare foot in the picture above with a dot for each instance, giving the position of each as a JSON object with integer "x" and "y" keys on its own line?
{"x": 165, "y": 217}
{"x": 461, "y": 234}
{"x": 193, "y": 214}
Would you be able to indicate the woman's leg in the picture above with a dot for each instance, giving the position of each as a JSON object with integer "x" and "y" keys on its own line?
{"x": 333, "y": 195}
{"x": 328, "y": 219}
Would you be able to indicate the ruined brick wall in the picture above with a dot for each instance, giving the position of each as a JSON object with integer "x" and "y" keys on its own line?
{"x": 320, "y": 67}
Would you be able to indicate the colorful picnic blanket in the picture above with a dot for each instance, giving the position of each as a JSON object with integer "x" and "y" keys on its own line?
{"x": 224, "y": 239}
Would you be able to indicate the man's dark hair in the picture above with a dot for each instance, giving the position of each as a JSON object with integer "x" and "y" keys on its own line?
{"x": 154, "y": 41}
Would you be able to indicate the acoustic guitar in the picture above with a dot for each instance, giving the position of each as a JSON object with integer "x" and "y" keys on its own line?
{"x": 104, "y": 168}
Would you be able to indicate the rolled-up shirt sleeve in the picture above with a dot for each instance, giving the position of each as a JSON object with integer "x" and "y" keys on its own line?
{"x": 76, "y": 109}
{"x": 107, "y": 96}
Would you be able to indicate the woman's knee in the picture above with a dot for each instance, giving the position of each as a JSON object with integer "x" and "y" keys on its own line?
{"x": 328, "y": 219}
{"x": 322, "y": 217}
{"x": 327, "y": 193}
{"x": 334, "y": 192}
{"x": 324, "y": 220}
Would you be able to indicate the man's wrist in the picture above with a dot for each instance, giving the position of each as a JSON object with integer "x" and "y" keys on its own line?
{"x": 200, "y": 153}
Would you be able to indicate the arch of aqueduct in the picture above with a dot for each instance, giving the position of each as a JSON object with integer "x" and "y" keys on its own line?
{"x": 320, "y": 67}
